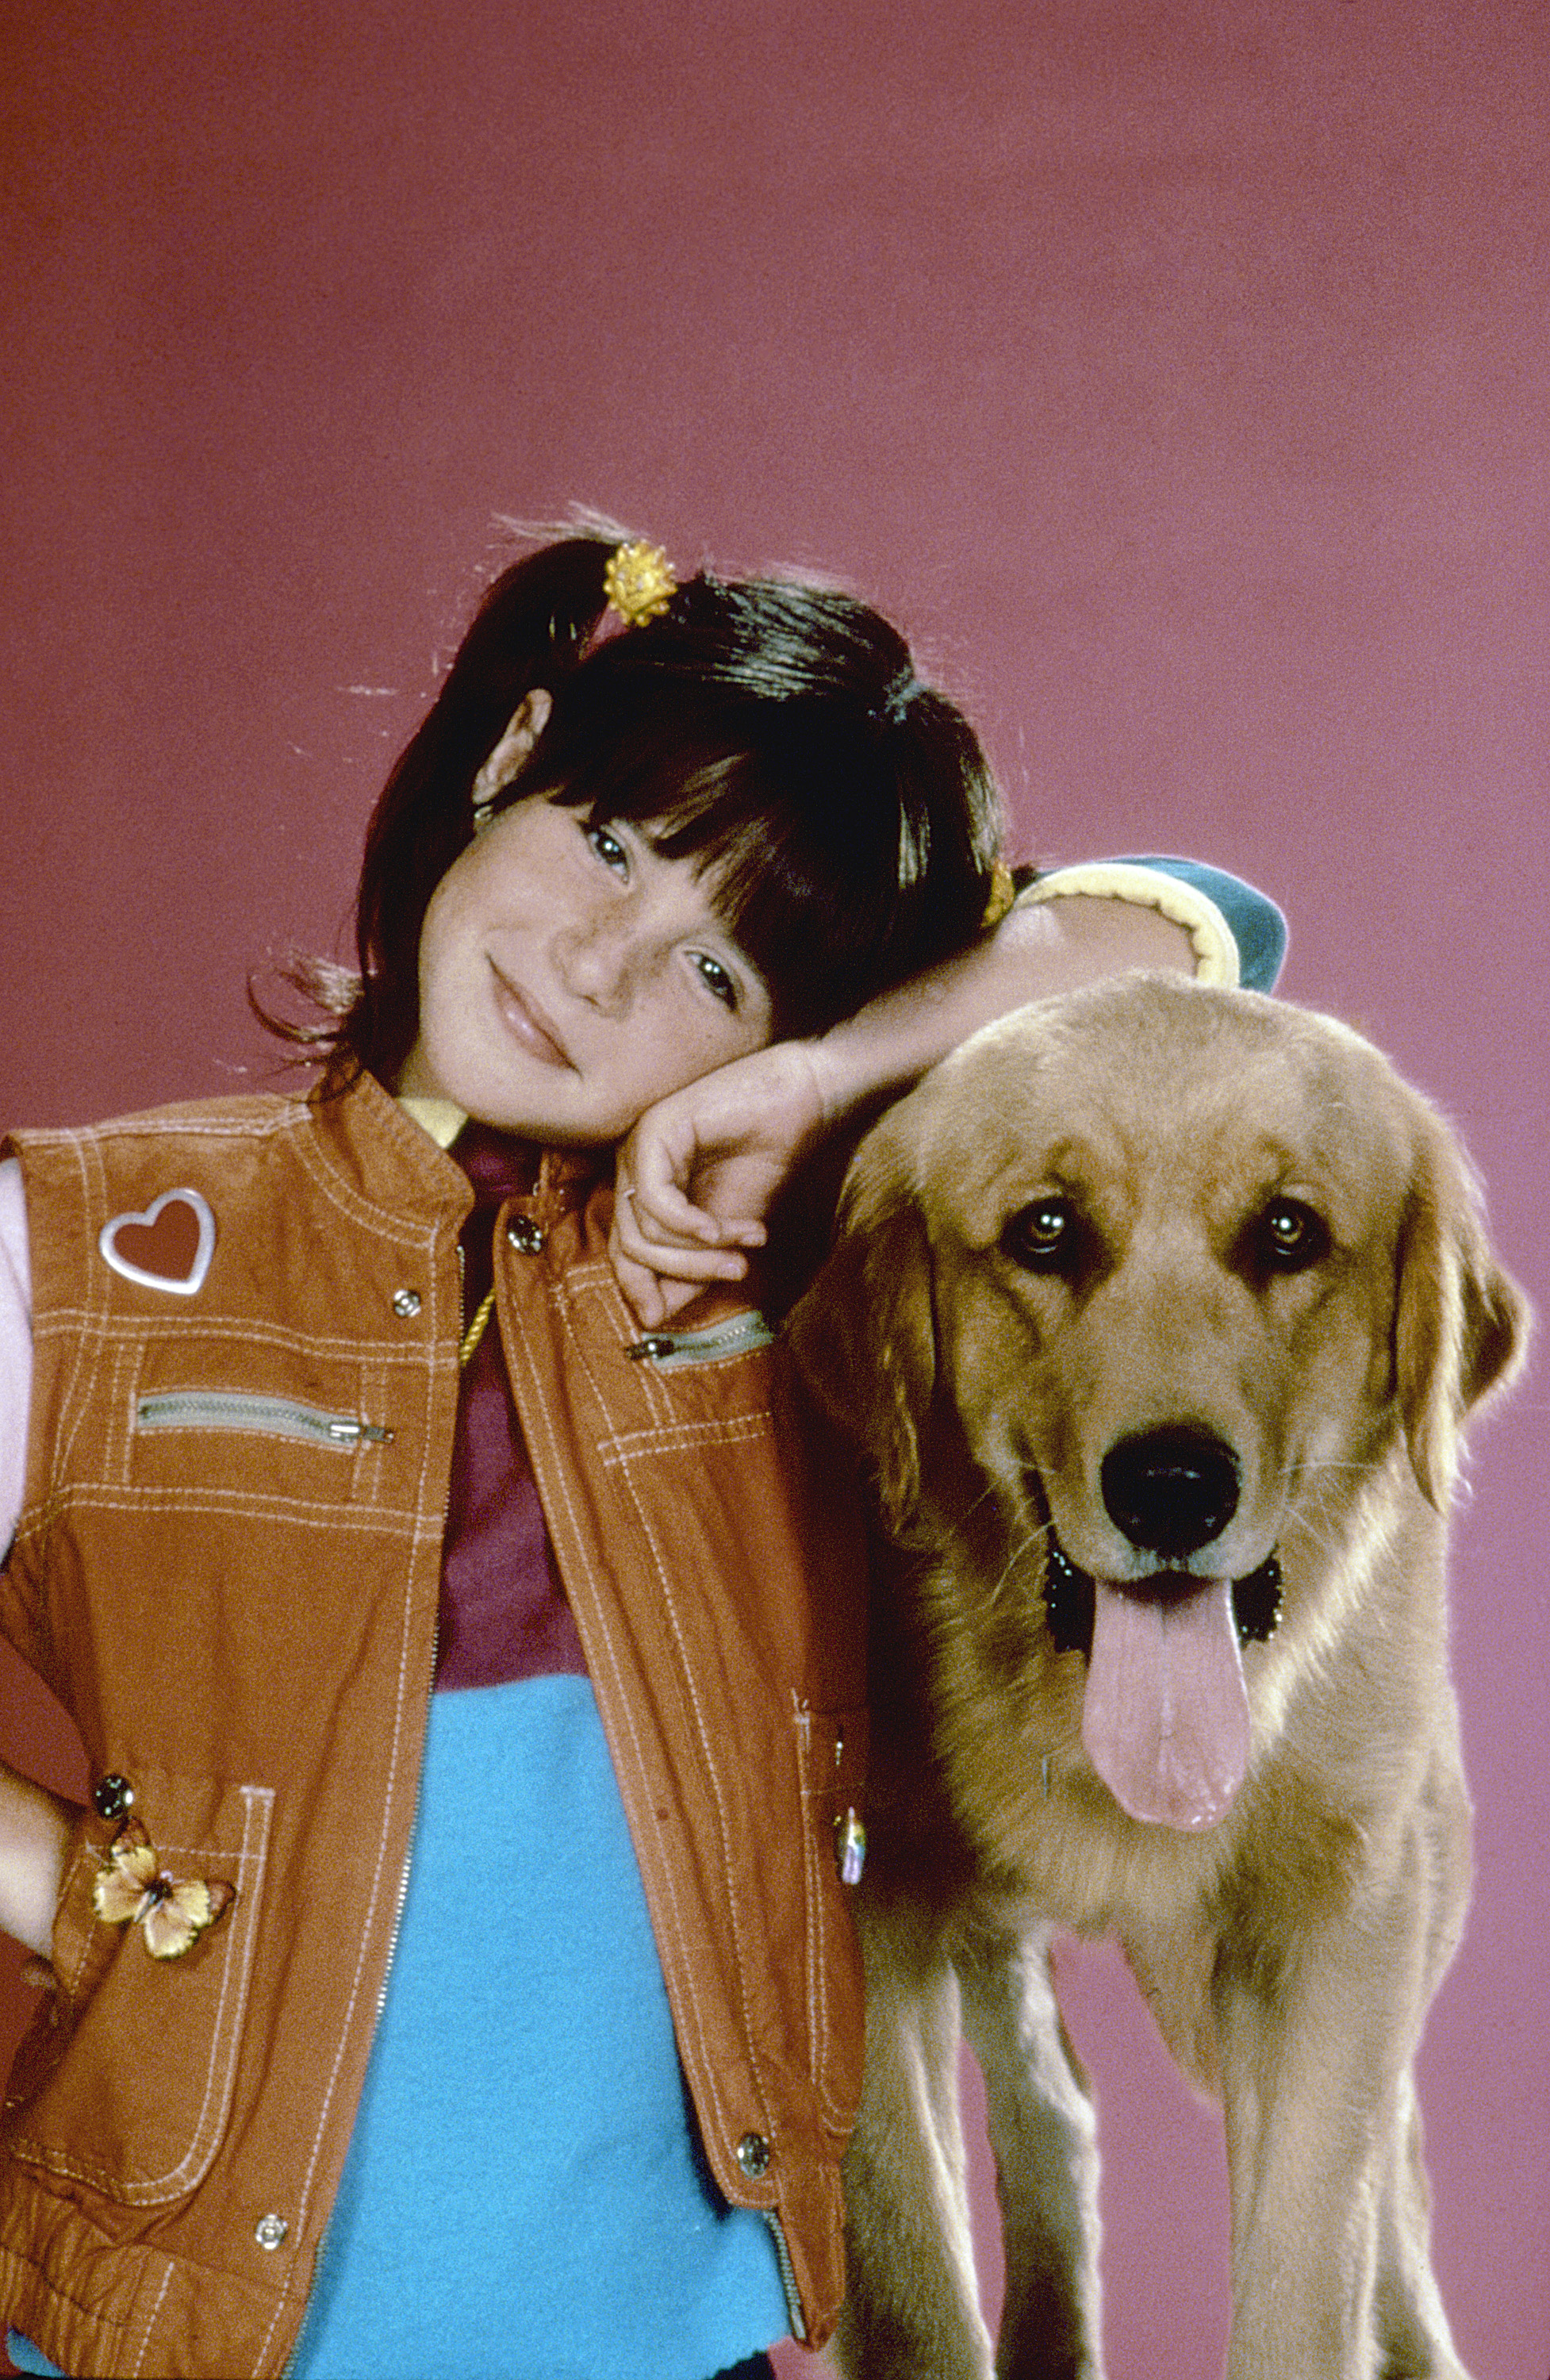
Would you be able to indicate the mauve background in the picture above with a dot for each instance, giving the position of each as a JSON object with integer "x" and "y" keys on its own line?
{"x": 1177, "y": 371}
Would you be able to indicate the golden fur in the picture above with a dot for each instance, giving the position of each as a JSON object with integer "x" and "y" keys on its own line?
{"x": 1152, "y": 1214}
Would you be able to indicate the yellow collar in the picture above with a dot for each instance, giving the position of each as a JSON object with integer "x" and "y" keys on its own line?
{"x": 443, "y": 1119}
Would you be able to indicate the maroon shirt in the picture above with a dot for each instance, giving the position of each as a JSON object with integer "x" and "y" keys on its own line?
{"x": 503, "y": 1611}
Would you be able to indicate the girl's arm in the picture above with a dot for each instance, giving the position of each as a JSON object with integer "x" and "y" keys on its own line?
{"x": 34, "y": 1825}
{"x": 697, "y": 1175}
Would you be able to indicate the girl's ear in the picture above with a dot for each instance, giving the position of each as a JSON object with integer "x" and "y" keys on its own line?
{"x": 520, "y": 734}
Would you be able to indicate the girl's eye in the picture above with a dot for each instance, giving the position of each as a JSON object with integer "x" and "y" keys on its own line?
{"x": 716, "y": 979}
{"x": 610, "y": 850}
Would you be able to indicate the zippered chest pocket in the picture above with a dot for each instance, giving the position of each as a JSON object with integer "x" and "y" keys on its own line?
{"x": 675, "y": 1350}
{"x": 293, "y": 1425}
{"x": 263, "y": 1415}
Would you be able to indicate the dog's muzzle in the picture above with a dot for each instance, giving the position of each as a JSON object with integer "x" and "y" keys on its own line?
{"x": 1068, "y": 1600}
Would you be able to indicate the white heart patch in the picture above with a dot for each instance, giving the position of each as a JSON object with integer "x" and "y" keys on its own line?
{"x": 166, "y": 1246}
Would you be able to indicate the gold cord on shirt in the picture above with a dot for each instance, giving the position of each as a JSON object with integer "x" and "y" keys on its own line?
{"x": 475, "y": 1332}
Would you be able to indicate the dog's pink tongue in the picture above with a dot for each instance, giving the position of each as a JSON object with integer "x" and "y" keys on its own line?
{"x": 1166, "y": 1718}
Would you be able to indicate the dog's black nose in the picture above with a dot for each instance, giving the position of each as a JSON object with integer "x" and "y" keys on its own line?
{"x": 1170, "y": 1490}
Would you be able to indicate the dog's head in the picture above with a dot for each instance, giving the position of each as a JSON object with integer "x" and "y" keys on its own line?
{"x": 1160, "y": 1276}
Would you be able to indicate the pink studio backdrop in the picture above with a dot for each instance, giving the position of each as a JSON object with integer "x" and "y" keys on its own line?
{"x": 1176, "y": 369}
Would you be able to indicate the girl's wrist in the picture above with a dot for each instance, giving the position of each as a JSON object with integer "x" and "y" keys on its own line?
{"x": 850, "y": 1064}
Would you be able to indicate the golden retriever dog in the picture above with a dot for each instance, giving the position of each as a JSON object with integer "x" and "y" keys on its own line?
{"x": 1157, "y": 1311}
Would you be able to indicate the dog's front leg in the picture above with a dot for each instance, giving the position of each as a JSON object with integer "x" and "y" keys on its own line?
{"x": 1045, "y": 2137}
{"x": 1315, "y": 2086}
{"x": 912, "y": 2306}
{"x": 1411, "y": 2325}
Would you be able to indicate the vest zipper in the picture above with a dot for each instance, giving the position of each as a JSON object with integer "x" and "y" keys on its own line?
{"x": 326, "y": 2244}
{"x": 788, "y": 2276}
{"x": 740, "y": 1334}
{"x": 270, "y": 1417}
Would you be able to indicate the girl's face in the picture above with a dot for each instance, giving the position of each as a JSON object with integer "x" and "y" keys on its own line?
{"x": 569, "y": 976}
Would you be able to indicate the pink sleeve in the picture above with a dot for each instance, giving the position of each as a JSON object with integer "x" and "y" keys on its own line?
{"x": 16, "y": 1347}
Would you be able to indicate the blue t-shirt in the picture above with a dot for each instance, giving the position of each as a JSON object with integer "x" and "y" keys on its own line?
{"x": 523, "y": 2193}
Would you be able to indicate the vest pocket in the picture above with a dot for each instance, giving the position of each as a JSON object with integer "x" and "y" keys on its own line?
{"x": 125, "y": 2081}
{"x": 212, "y": 1425}
{"x": 264, "y": 1417}
{"x": 719, "y": 1343}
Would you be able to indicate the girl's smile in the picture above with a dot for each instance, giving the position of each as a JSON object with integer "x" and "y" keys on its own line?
{"x": 570, "y": 977}
{"x": 526, "y": 1024}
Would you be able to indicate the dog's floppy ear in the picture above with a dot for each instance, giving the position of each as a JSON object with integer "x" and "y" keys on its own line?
{"x": 864, "y": 1334}
{"x": 1462, "y": 1324}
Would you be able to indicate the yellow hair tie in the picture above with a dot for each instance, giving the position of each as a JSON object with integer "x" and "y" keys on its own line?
{"x": 1003, "y": 892}
{"x": 639, "y": 582}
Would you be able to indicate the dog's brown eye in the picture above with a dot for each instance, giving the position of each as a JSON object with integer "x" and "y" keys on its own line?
{"x": 1042, "y": 1236}
{"x": 1292, "y": 1237}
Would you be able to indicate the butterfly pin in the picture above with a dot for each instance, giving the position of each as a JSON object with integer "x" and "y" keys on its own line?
{"x": 135, "y": 1889}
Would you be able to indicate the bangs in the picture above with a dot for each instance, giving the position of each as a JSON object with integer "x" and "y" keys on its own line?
{"x": 833, "y": 854}
{"x": 826, "y": 895}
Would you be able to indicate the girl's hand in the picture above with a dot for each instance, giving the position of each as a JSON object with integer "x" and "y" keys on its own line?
{"x": 35, "y": 1828}
{"x": 697, "y": 1175}
{"x": 693, "y": 1180}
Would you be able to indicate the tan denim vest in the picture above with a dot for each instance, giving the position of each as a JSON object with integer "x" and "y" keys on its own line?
{"x": 227, "y": 1569}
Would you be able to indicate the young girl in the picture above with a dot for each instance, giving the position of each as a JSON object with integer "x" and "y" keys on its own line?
{"x": 364, "y": 1502}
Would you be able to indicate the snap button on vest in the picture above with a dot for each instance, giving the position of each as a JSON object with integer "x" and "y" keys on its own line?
{"x": 405, "y": 1302}
{"x": 270, "y": 2231}
{"x": 752, "y": 2155}
{"x": 111, "y": 1795}
{"x": 525, "y": 1236}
